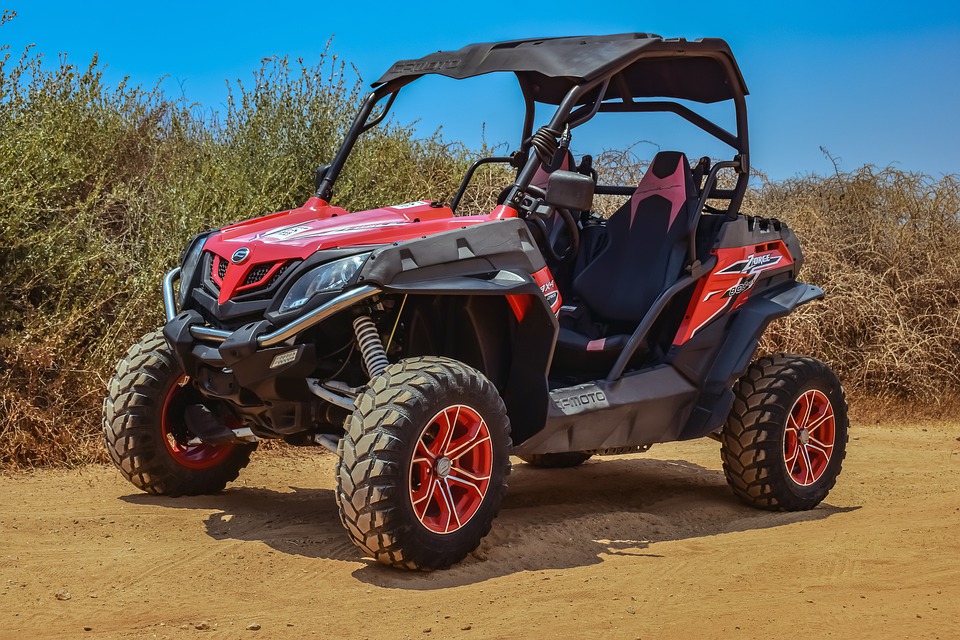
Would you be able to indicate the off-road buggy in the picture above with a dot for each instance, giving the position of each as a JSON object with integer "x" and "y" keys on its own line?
{"x": 426, "y": 348}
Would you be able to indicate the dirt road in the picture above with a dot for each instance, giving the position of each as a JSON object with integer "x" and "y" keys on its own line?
{"x": 647, "y": 546}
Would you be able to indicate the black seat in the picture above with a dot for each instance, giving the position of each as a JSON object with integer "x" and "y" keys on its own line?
{"x": 642, "y": 252}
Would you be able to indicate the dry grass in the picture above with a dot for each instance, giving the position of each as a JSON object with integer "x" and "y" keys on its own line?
{"x": 885, "y": 246}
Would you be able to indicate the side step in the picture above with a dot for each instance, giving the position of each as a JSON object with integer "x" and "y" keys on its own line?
{"x": 630, "y": 413}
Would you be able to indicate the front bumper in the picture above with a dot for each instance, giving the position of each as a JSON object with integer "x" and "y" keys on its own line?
{"x": 278, "y": 336}
{"x": 258, "y": 367}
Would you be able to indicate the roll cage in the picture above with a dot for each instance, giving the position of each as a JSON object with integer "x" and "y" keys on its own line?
{"x": 582, "y": 76}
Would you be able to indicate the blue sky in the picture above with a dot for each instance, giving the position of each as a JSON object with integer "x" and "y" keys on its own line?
{"x": 871, "y": 82}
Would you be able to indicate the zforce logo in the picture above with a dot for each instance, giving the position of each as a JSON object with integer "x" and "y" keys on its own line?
{"x": 747, "y": 271}
{"x": 425, "y": 66}
{"x": 751, "y": 267}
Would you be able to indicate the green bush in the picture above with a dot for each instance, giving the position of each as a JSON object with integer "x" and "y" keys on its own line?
{"x": 102, "y": 187}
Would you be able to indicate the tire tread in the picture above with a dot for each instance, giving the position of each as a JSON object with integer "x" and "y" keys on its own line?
{"x": 132, "y": 436}
{"x": 751, "y": 439}
{"x": 370, "y": 467}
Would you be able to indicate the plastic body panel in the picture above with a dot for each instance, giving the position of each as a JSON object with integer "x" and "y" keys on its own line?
{"x": 486, "y": 257}
{"x": 641, "y": 408}
{"x": 299, "y": 234}
{"x": 687, "y": 394}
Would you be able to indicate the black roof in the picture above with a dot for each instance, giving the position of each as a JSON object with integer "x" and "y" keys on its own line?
{"x": 642, "y": 64}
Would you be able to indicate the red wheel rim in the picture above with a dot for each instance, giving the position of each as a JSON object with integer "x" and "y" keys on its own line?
{"x": 176, "y": 436}
{"x": 809, "y": 437}
{"x": 451, "y": 468}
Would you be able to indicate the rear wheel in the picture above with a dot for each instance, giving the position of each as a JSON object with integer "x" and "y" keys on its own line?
{"x": 563, "y": 460}
{"x": 423, "y": 464}
{"x": 145, "y": 432}
{"x": 785, "y": 439}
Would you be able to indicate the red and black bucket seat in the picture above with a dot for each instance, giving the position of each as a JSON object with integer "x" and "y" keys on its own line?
{"x": 641, "y": 251}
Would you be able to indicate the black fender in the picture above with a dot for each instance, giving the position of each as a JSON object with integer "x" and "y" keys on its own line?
{"x": 474, "y": 251}
{"x": 494, "y": 258}
{"x": 740, "y": 338}
{"x": 483, "y": 331}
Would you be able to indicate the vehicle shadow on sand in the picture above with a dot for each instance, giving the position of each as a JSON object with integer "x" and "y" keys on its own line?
{"x": 301, "y": 521}
{"x": 550, "y": 519}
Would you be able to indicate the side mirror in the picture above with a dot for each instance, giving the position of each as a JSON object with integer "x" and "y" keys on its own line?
{"x": 569, "y": 190}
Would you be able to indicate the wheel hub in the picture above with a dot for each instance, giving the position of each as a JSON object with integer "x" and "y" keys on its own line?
{"x": 451, "y": 469}
{"x": 442, "y": 467}
{"x": 184, "y": 447}
{"x": 809, "y": 437}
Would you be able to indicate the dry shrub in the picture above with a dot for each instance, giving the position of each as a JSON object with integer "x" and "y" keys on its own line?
{"x": 885, "y": 246}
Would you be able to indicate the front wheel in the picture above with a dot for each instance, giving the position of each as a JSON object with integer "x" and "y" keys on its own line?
{"x": 145, "y": 431}
{"x": 423, "y": 464}
{"x": 785, "y": 438}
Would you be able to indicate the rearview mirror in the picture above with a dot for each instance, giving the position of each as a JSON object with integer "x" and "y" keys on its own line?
{"x": 569, "y": 190}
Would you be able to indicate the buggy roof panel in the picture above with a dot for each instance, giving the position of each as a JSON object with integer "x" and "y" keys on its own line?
{"x": 699, "y": 70}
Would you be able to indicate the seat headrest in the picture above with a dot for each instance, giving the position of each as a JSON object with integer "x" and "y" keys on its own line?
{"x": 668, "y": 177}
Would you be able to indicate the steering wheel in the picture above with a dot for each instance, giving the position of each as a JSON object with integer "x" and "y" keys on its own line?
{"x": 539, "y": 218}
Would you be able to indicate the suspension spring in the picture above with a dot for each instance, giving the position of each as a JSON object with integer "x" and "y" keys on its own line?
{"x": 371, "y": 347}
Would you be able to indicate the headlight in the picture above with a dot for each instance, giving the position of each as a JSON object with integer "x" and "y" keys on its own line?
{"x": 331, "y": 276}
{"x": 189, "y": 262}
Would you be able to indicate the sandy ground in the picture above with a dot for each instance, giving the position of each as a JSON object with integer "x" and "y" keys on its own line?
{"x": 647, "y": 546}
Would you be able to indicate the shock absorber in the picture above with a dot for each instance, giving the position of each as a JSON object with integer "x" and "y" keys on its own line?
{"x": 371, "y": 347}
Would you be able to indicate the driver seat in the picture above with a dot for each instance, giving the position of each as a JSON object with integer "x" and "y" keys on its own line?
{"x": 643, "y": 252}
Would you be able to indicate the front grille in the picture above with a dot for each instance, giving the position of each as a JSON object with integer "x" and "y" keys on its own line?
{"x": 264, "y": 291}
{"x": 276, "y": 276}
{"x": 246, "y": 304}
{"x": 207, "y": 281}
{"x": 257, "y": 274}
{"x": 253, "y": 287}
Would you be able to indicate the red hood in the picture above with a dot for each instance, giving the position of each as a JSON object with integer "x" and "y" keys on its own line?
{"x": 274, "y": 240}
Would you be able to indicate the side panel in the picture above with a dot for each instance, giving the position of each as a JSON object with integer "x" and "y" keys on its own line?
{"x": 729, "y": 285}
{"x": 662, "y": 404}
{"x": 643, "y": 408}
{"x": 723, "y": 351}
{"x": 476, "y": 250}
{"x": 749, "y": 252}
